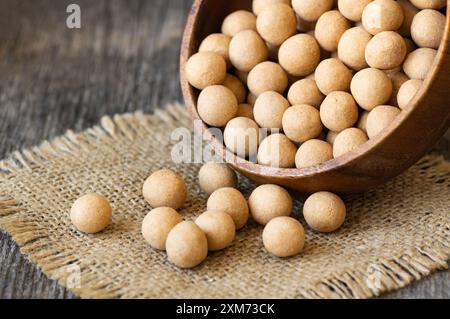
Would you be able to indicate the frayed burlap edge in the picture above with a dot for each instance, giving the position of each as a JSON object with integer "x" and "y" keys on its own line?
{"x": 393, "y": 273}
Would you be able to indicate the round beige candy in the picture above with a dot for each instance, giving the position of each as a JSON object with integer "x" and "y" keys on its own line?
{"x": 218, "y": 227}
{"x": 362, "y": 122}
{"x": 241, "y": 136}
{"x": 398, "y": 78}
{"x": 302, "y": 123}
{"x": 382, "y": 15}
{"x": 352, "y": 48}
{"x": 213, "y": 176}
{"x": 204, "y": 69}
{"x": 236, "y": 86}
{"x": 409, "y": 11}
{"x": 276, "y": 23}
{"x": 305, "y": 91}
{"x": 329, "y": 29}
{"x": 157, "y": 224}
{"x": 429, "y": 4}
{"x": 231, "y": 201}
{"x": 371, "y": 87}
{"x": 245, "y": 110}
{"x": 165, "y": 188}
{"x": 311, "y": 10}
{"x": 331, "y": 136}
{"x": 386, "y": 50}
{"x": 313, "y": 152}
{"x": 299, "y": 55}
{"x": 427, "y": 28}
{"x": 216, "y": 105}
{"x": 324, "y": 212}
{"x": 247, "y": 49}
{"x": 260, "y": 5}
{"x": 407, "y": 92}
{"x": 418, "y": 63}
{"x": 268, "y": 202}
{"x": 238, "y": 21}
{"x": 338, "y": 111}
{"x": 332, "y": 75}
{"x": 352, "y": 9}
{"x": 277, "y": 150}
{"x": 284, "y": 237}
{"x": 380, "y": 118}
{"x": 269, "y": 109}
{"x": 186, "y": 245}
{"x": 348, "y": 140}
{"x": 267, "y": 76}
{"x": 91, "y": 213}
{"x": 217, "y": 43}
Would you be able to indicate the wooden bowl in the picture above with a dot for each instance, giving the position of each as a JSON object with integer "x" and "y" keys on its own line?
{"x": 414, "y": 132}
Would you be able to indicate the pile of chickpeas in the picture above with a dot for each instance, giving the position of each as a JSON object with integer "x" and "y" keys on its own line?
{"x": 320, "y": 77}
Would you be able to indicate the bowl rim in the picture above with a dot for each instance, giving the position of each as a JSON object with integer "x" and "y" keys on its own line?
{"x": 334, "y": 164}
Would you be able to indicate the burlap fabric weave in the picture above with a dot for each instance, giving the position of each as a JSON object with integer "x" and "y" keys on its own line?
{"x": 393, "y": 235}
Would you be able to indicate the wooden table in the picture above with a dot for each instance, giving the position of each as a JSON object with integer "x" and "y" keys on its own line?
{"x": 124, "y": 58}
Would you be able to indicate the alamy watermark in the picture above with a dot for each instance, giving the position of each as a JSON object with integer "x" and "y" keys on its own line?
{"x": 73, "y": 20}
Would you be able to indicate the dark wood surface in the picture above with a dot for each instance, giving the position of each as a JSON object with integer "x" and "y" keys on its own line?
{"x": 124, "y": 58}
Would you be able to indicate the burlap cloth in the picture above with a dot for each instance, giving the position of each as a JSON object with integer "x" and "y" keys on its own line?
{"x": 393, "y": 235}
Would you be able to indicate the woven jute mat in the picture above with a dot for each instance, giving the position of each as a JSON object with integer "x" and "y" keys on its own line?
{"x": 393, "y": 235}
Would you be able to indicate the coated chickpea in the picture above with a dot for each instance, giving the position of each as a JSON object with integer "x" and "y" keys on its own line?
{"x": 91, "y": 213}
{"x": 352, "y": 48}
{"x": 231, "y": 201}
{"x": 338, "y": 111}
{"x": 380, "y": 118}
{"x": 241, "y": 136}
{"x": 429, "y": 4}
{"x": 277, "y": 150}
{"x": 332, "y": 75}
{"x": 329, "y": 29}
{"x": 418, "y": 63}
{"x": 218, "y": 227}
{"x": 267, "y": 76}
{"x": 247, "y": 49}
{"x": 311, "y": 10}
{"x": 427, "y": 28}
{"x": 407, "y": 92}
{"x": 236, "y": 86}
{"x": 299, "y": 55}
{"x": 301, "y": 123}
{"x": 217, "y": 105}
{"x": 284, "y": 237}
{"x": 305, "y": 91}
{"x": 348, "y": 140}
{"x": 276, "y": 23}
{"x": 352, "y": 9}
{"x": 157, "y": 224}
{"x": 213, "y": 176}
{"x": 217, "y": 43}
{"x": 269, "y": 109}
{"x": 205, "y": 69}
{"x": 238, "y": 21}
{"x": 268, "y": 202}
{"x": 165, "y": 188}
{"x": 324, "y": 212}
{"x": 386, "y": 50}
{"x": 371, "y": 87}
{"x": 313, "y": 152}
{"x": 382, "y": 15}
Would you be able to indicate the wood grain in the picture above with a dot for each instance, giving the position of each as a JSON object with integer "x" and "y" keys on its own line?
{"x": 124, "y": 58}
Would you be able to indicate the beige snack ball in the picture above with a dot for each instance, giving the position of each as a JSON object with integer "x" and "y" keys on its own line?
{"x": 186, "y": 245}
{"x": 331, "y": 137}
{"x": 348, "y": 140}
{"x": 332, "y": 75}
{"x": 238, "y": 21}
{"x": 380, "y": 118}
{"x": 277, "y": 150}
{"x": 338, "y": 111}
{"x": 382, "y": 15}
{"x": 218, "y": 227}
{"x": 231, "y": 201}
{"x": 397, "y": 78}
{"x": 311, "y": 10}
{"x": 260, "y": 5}
{"x": 305, "y": 91}
{"x": 352, "y": 9}
{"x": 302, "y": 123}
{"x": 268, "y": 202}
{"x": 236, "y": 86}
{"x": 247, "y": 49}
{"x": 164, "y": 188}
{"x": 204, "y": 69}
{"x": 324, "y": 212}
{"x": 386, "y": 50}
{"x": 429, "y": 4}
{"x": 157, "y": 224}
{"x": 213, "y": 176}
{"x": 362, "y": 122}
{"x": 407, "y": 92}
{"x": 241, "y": 136}
{"x": 284, "y": 237}
{"x": 409, "y": 11}
{"x": 313, "y": 152}
{"x": 91, "y": 213}
{"x": 299, "y": 55}
{"x": 245, "y": 110}
{"x": 352, "y": 48}
{"x": 371, "y": 87}
{"x": 267, "y": 76}
{"x": 217, "y": 43}
{"x": 269, "y": 109}
{"x": 418, "y": 63}
{"x": 276, "y": 23}
{"x": 427, "y": 28}
{"x": 217, "y": 105}
{"x": 329, "y": 29}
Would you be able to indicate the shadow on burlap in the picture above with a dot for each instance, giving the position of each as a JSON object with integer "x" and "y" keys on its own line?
{"x": 394, "y": 235}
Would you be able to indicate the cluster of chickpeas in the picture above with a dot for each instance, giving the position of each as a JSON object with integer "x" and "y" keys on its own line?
{"x": 187, "y": 242}
{"x": 322, "y": 77}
